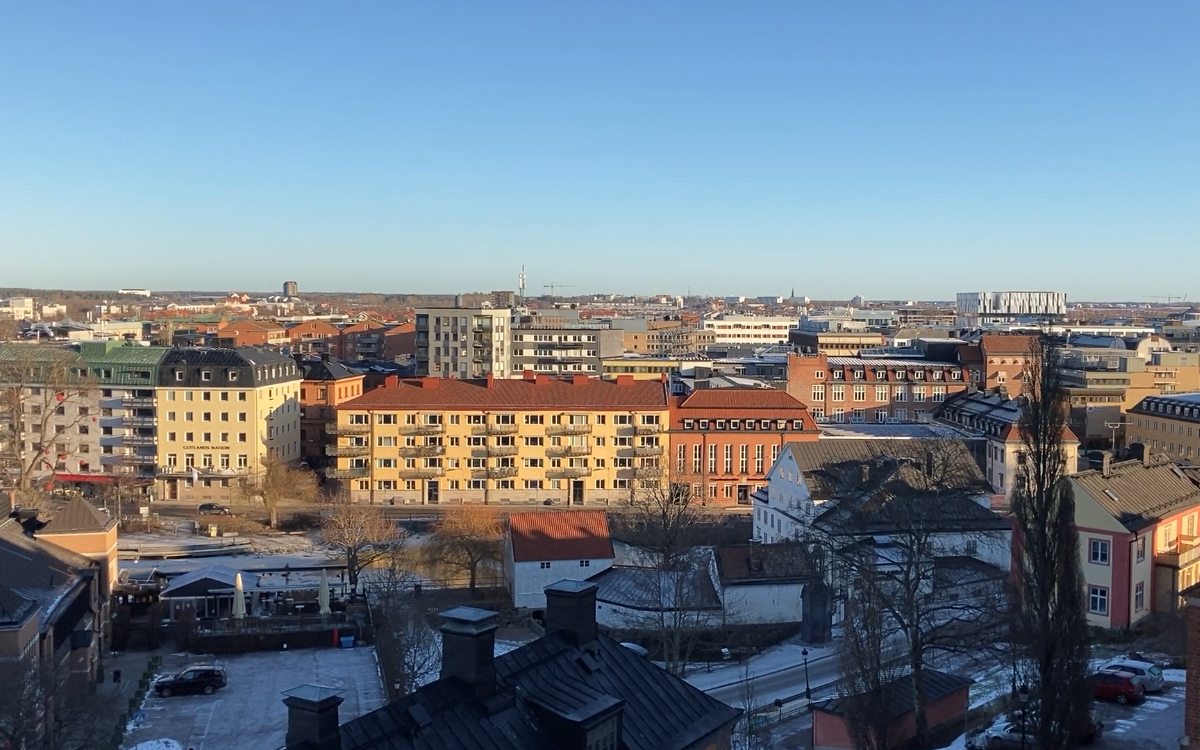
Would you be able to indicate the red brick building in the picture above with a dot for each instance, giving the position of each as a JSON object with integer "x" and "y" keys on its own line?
{"x": 858, "y": 389}
{"x": 251, "y": 333}
{"x": 724, "y": 440}
{"x": 313, "y": 336}
{"x": 946, "y": 698}
{"x": 997, "y": 361}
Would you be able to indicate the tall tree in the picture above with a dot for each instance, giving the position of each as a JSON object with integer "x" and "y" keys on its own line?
{"x": 44, "y": 400}
{"x": 465, "y": 539}
{"x": 869, "y": 664}
{"x": 1051, "y": 622}
{"x": 45, "y": 708}
{"x": 278, "y": 480}
{"x": 362, "y": 535}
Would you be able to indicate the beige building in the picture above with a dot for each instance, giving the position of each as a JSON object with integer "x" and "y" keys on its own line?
{"x": 531, "y": 441}
{"x": 1168, "y": 424}
{"x": 220, "y": 412}
{"x": 459, "y": 342}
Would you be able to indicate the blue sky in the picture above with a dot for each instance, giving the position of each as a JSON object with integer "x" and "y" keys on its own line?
{"x": 895, "y": 150}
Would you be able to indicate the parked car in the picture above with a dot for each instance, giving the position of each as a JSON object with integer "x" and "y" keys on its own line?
{"x": 1121, "y": 687}
{"x": 198, "y": 679}
{"x": 1005, "y": 734}
{"x": 212, "y": 509}
{"x": 1151, "y": 675}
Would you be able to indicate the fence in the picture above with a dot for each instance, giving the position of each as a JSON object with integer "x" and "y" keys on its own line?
{"x": 781, "y": 709}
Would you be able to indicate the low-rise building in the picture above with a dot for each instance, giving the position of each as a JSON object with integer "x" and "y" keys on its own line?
{"x": 835, "y": 343}
{"x": 562, "y": 350}
{"x": 464, "y": 343}
{"x": 1137, "y": 523}
{"x": 326, "y": 384}
{"x": 543, "y": 548}
{"x": 750, "y": 330}
{"x": 535, "y": 440}
{"x": 16, "y": 308}
{"x": 1168, "y": 424}
{"x": 248, "y": 332}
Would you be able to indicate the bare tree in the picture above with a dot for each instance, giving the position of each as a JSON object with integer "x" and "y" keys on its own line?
{"x": 49, "y": 709}
{"x": 465, "y": 539}
{"x": 43, "y": 401}
{"x": 362, "y": 535}
{"x": 1051, "y": 623}
{"x": 278, "y": 480}
{"x": 869, "y": 664}
{"x": 408, "y": 647}
{"x": 905, "y": 538}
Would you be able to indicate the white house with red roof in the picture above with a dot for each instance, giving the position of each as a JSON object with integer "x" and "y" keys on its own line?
{"x": 542, "y": 548}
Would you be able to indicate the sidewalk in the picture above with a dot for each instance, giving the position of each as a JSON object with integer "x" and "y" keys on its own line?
{"x": 784, "y": 656}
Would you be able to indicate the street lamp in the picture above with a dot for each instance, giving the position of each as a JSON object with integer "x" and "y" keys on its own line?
{"x": 1024, "y": 696}
{"x": 807, "y": 685}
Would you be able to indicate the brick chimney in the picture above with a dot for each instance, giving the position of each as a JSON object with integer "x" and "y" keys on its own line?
{"x": 625, "y": 380}
{"x": 430, "y": 382}
{"x": 541, "y": 380}
{"x": 491, "y": 379}
{"x": 468, "y": 648}
{"x": 528, "y": 375}
{"x": 579, "y": 379}
{"x": 571, "y": 610}
{"x": 391, "y": 381}
{"x": 1106, "y": 465}
{"x": 313, "y": 717}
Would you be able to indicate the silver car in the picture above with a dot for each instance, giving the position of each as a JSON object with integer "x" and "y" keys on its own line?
{"x": 1151, "y": 675}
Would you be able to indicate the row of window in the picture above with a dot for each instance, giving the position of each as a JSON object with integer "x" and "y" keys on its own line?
{"x": 859, "y": 416}
{"x": 698, "y": 458}
{"x": 204, "y": 395}
{"x": 206, "y": 416}
{"x": 882, "y": 393}
{"x": 242, "y": 461}
{"x": 619, "y": 462}
{"x": 1156, "y": 426}
{"x": 507, "y": 441}
{"x": 880, "y": 374}
{"x": 411, "y": 485}
{"x": 506, "y": 419}
{"x": 206, "y": 437}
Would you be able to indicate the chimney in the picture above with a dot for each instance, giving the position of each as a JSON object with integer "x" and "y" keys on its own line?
{"x": 490, "y": 379}
{"x": 468, "y": 648}
{"x": 579, "y": 380}
{"x": 430, "y": 382}
{"x": 1106, "y": 465}
{"x": 391, "y": 381}
{"x": 528, "y": 375}
{"x": 624, "y": 380}
{"x": 313, "y": 717}
{"x": 1147, "y": 458}
{"x": 541, "y": 380}
{"x": 571, "y": 610}
{"x": 324, "y": 356}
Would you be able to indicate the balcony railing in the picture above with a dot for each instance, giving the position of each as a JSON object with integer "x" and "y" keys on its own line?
{"x": 648, "y": 472}
{"x": 138, "y": 402}
{"x": 501, "y": 472}
{"x": 569, "y": 450}
{"x": 571, "y": 471}
{"x": 139, "y": 421}
{"x": 648, "y": 450}
{"x": 348, "y": 473}
{"x": 1181, "y": 558}
{"x": 138, "y": 440}
{"x": 113, "y": 440}
{"x": 347, "y": 429}
{"x": 423, "y": 472}
{"x": 347, "y": 450}
{"x": 569, "y": 429}
{"x": 647, "y": 429}
{"x": 503, "y": 450}
{"x": 423, "y": 450}
{"x": 127, "y": 459}
{"x": 423, "y": 428}
{"x": 500, "y": 429}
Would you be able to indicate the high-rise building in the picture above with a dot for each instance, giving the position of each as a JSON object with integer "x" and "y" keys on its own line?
{"x": 461, "y": 342}
{"x": 291, "y": 289}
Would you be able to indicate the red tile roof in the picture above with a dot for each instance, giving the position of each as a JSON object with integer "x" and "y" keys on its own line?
{"x": 1012, "y": 433}
{"x": 1017, "y": 344}
{"x": 970, "y": 354}
{"x": 740, "y": 403}
{"x": 560, "y": 535}
{"x": 544, "y": 393}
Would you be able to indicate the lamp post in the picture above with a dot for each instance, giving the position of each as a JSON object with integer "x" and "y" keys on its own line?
{"x": 1024, "y": 696}
{"x": 807, "y": 685}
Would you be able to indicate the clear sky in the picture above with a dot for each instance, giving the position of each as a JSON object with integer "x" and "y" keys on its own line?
{"x": 891, "y": 149}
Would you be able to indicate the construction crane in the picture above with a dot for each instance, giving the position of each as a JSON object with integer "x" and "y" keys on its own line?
{"x": 1169, "y": 297}
{"x": 552, "y": 286}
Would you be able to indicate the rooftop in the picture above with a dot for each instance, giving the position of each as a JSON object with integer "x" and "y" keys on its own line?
{"x": 79, "y": 516}
{"x": 1138, "y": 495}
{"x": 900, "y": 693}
{"x": 565, "y": 535}
{"x": 542, "y": 393}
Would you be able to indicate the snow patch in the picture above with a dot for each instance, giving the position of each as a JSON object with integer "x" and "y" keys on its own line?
{"x": 157, "y": 745}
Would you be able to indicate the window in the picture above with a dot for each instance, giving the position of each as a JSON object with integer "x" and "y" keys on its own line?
{"x": 1098, "y": 551}
{"x": 241, "y": 394}
{"x": 1141, "y": 549}
{"x": 379, "y": 418}
{"x": 900, "y": 393}
{"x": 818, "y": 393}
{"x": 1139, "y": 597}
{"x": 1098, "y": 600}
{"x": 881, "y": 393}
{"x": 860, "y": 393}
{"x": 241, "y": 437}
{"x": 545, "y": 566}
{"x": 585, "y": 563}
{"x": 241, "y": 416}
{"x": 243, "y": 461}
{"x": 839, "y": 393}
{"x": 918, "y": 393}
{"x": 534, "y": 419}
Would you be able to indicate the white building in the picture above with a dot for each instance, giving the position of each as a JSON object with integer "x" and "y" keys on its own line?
{"x": 135, "y": 292}
{"x": 974, "y": 309}
{"x": 459, "y": 342}
{"x": 750, "y": 330}
{"x": 16, "y": 308}
{"x": 543, "y": 548}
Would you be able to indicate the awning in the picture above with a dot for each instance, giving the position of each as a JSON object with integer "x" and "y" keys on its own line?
{"x": 85, "y": 477}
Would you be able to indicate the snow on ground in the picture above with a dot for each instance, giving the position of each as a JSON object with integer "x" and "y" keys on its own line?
{"x": 1175, "y": 675}
{"x": 775, "y": 659}
{"x": 158, "y": 745}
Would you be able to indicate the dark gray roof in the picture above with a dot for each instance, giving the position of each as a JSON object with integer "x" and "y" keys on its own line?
{"x": 318, "y": 369}
{"x": 38, "y": 570}
{"x": 763, "y": 563}
{"x": 952, "y": 458}
{"x": 14, "y": 609}
{"x": 79, "y": 516}
{"x": 651, "y": 590}
{"x": 206, "y": 580}
{"x": 899, "y": 693}
{"x": 255, "y": 367}
{"x": 549, "y": 675}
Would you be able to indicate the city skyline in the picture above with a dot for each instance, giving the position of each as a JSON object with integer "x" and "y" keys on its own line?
{"x": 637, "y": 149}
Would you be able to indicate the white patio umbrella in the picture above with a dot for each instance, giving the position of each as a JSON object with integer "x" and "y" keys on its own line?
{"x": 239, "y": 598}
{"x": 323, "y": 593}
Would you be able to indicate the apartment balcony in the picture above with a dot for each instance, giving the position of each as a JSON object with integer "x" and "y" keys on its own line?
{"x": 569, "y": 450}
{"x": 570, "y": 472}
{"x": 347, "y": 450}
{"x": 112, "y": 440}
{"x": 139, "y": 440}
{"x": 569, "y": 429}
{"x": 348, "y": 473}
{"x": 127, "y": 459}
{"x": 423, "y": 428}
{"x": 348, "y": 429}
{"x": 497, "y": 429}
{"x": 503, "y": 450}
{"x": 423, "y": 450}
{"x": 648, "y": 472}
{"x": 1180, "y": 558}
{"x": 501, "y": 472}
{"x": 648, "y": 450}
{"x": 423, "y": 472}
{"x": 139, "y": 421}
{"x": 138, "y": 402}
{"x": 647, "y": 429}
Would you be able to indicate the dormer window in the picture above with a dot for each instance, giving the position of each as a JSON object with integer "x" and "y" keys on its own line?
{"x": 901, "y": 374}
{"x": 206, "y": 375}
{"x": 720, "y": 424}
{"x": 232, "y": 375}
{"x": 735, "y": 424}
{"x": 918, "y": 375}
{"x": 937, "y": 374}
{"x": 704, "y": 424}
{"x": 179, "y": 375}
{"x": 839, "y": 374}
{"x": 859, "y": 375}
{"x": 881, "y": 374}
{"x": 688, "y": 424}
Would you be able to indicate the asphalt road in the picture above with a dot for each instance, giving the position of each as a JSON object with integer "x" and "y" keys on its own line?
{"x": 784, "y": 683}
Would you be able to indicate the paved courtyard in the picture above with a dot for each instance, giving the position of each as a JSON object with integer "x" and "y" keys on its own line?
{"x": 249, "y": 713}
{"x": 1156, "y": 724}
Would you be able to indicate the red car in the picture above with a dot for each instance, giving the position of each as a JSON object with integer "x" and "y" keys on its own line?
{"x": 1121, "y": 687}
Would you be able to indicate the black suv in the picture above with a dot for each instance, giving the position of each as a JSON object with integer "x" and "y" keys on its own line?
{"x": 212, "y": 509}
{"x": 201, "y": 679}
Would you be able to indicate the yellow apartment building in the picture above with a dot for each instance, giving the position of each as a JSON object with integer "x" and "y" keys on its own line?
{"x": 531, "y": 441}
{"x": 220, "y": 412}
{"x": 1167, "y": 424}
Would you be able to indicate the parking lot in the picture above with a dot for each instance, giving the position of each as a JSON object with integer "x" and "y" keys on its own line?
{"x": 1155, "y": 724}
{"x": 249, "y": 713}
